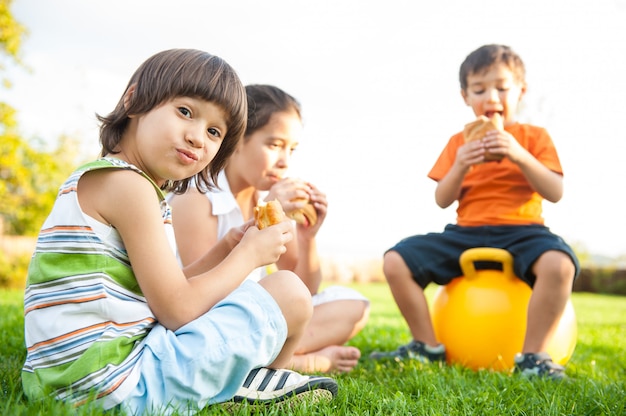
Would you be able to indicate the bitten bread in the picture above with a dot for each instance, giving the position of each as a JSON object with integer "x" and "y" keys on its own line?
{"x": 306, "y": 215}
{"x": 477, "y": 129}
{"x": 268, "y": 214}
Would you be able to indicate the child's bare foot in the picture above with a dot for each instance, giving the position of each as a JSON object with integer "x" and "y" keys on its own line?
{"x": 333, "y": 358}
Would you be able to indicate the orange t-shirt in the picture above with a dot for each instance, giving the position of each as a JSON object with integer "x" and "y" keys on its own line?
{"x": 497, "y": 193}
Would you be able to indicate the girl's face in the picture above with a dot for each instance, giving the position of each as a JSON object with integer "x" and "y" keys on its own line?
{"x": 175, "y": 140}
{"x": 494, "y": 91}
{"x": 263, "y": 157}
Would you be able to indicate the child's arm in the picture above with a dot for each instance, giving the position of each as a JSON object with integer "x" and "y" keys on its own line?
{"x": 129, "y": 203}
{"x": 546, "y": 182}
{"x": 197, "y": 235}
{"x": 449, "y": 187}
{"x": 213, "y": 255}
{"x": 286, "y": 191}
{"x": 195, "y": 225}
{"x": 308, "y": 266}
{"x": 301, "y": 256}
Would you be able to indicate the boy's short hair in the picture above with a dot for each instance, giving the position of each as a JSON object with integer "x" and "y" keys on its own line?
{"x": 265, "y": 100}
{"x": 182, "y": 73}
{"x": 483, "y": 58}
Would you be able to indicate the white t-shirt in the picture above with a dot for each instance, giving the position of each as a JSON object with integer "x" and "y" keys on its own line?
{"x": 229, "y": 215}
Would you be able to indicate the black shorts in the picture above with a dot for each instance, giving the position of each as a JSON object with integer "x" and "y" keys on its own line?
{"x": 434, "y": 257}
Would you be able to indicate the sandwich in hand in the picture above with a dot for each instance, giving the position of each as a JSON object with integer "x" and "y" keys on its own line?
{"x": 476, "y": 130}
{"x": 306, "y": 216}
{"x": 268, "y": 214}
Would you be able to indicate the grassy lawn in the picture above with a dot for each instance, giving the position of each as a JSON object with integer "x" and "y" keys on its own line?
{"x": 596, "y": 383}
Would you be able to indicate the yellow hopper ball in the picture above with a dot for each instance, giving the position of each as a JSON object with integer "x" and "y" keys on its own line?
{"x": 481, "y": 316}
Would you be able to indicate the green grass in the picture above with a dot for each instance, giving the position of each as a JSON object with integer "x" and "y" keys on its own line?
{"x": 595, "y": 385}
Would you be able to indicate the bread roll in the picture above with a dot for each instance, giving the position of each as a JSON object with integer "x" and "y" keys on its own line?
{"x": 476, "y": 130}
{"x": 268, "y": 214}
{"x": 305, "y": 216}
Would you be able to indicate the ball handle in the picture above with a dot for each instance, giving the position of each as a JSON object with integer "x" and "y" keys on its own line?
{"x": 468, "y": 257}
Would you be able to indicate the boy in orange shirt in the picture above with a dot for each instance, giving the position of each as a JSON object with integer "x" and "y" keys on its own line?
{"x": 499, "y": 205}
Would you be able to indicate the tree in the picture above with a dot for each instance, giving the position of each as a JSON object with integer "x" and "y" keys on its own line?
{"x": 29, "y": 175}
{"x": 11, "y": 34}
{"x": 29, "y": 181}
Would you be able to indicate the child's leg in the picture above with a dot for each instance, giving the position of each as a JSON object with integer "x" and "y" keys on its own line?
{"x": 334, "y": 358}
{"x": 334, "y": 322}
{"x": 410, "y": 298}
{"x": 322, "y": 348}
{"x": 551, "y": 291}
{"x": 207, "y": 360}
{"x": 294, "y": 300}
{"x": 339, "y": 313}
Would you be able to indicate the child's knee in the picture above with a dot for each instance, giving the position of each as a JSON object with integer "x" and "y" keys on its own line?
{"x": 363, "y": 317}
{"x": 287, "y": 289}
{"x": 356, "y": 312}
{"x": 393, "y": 264}
{"x": 555, "y": 264}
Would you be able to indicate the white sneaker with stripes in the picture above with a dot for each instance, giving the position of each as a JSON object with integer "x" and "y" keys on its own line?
{"x": 266, "y": 385}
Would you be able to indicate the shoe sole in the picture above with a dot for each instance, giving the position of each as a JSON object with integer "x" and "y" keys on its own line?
{"x": 287, "y": 401}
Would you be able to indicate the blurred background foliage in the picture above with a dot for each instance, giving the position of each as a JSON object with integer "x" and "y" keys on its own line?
{"x": 30, "y": 172}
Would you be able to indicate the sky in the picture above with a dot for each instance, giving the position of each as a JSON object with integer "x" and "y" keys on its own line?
{"x": 378, "y": 82}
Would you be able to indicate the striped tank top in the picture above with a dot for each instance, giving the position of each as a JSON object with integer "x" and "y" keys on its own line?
{"x": 84, "y": 314}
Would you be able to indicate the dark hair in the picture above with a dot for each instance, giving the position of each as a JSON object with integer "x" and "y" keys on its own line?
{"x": 484, "y": 57}
{"x": 182, "y": 73}
{"x": 265, "y": 100}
